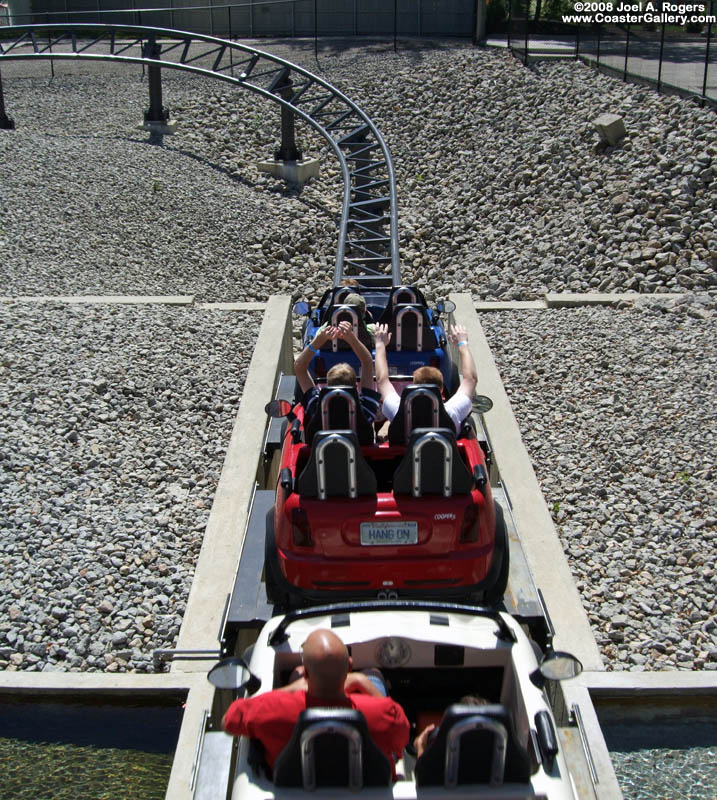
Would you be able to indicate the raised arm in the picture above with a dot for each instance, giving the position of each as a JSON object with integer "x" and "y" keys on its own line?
{"x": 364, "y": 356}
{"x": 469, "y": 373}
{"x": 383, "y": 337}
{"x": 301, "y": 364}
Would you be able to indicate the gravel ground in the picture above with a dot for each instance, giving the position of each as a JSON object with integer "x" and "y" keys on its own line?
{"x": 114, "y": 423}
{"x": 617, "y": 410}
{"x": 500, "y": 190}
{"x": 115, "y": 419}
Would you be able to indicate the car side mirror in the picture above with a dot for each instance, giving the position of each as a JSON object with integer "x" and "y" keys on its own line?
{"x": 482, "y": 403}
{"x": 278, "y": 408}
{"x": 233, "y": 673}
{"x": 556, "y": 666}
{"x": 302, "y": 308}
{"x": 445, "y": 306}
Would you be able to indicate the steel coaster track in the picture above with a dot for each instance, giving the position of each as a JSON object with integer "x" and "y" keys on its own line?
{"x": 368, "y": 232}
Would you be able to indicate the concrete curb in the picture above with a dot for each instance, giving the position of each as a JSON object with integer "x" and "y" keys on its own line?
{"x": 57, "y": 683}
{"x": 232, "y": 306}
{"x": 548, "y": 301}
{"x": 651, "y": 684}
{"x": 140, "y": 299}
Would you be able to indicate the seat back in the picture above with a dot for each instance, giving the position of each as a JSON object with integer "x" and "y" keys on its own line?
{"x": 421, "y": 406}
{"x": 400, "y": 295}
{"x": 432, "y": 465}
{"x": 331, "y": 747}
{"x": 339, "y": 408}
{"x": 336, "y": 468}
{"x": 335, "y": 297}
{"x": 474, "y": 744}
{"x": 410, "y": 329}
{"x": 352, "y": 314}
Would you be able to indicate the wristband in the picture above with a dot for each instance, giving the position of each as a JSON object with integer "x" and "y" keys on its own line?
{"x": 458, "y": 344}
{"x": 313, "y": 349}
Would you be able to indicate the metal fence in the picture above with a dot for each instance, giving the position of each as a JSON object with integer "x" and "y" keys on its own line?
{"x": 259, "y": 18}
{"x": 675, "y": 58}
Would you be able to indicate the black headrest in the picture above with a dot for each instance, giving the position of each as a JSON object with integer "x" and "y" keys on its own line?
{"x": 327, "y": 729}
{"x": 336, "y": 468}
{"x": 476, "y": 750}
{"x": 336, "y": 408}
{"x": 401, "y": 294}
{"x": 410, "y": 328}
{"x": 421, "y": 398}
{"x": 432, "y": 462}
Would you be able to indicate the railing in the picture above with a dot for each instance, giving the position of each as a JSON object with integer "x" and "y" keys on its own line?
{"x": 674, "y": 58}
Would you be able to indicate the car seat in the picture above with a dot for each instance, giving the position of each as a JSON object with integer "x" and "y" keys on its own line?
{"x": 432, "y": 465}
{"x": 421, "y": 406}
{"x": 336, "y": 468}
{"x": 474, "y": 744}
{"x": 339, "y": 408}
{"x": 331, "y": 747}
{"x": 410, "y": 329}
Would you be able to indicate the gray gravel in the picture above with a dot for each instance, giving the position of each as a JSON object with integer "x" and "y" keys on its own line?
{"x": 115, "y": 419}
{"x": 114, "y": 424}
{"x": 500, "y": 190}
{"x": 617, "y": 410}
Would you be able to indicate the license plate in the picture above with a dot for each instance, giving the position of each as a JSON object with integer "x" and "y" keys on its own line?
{"x": 392, "y": 533}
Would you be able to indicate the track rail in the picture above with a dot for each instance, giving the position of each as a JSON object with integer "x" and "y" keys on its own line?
{"x": 368, "y": 230}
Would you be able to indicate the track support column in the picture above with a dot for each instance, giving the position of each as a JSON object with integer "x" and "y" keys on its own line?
{"x": 288, "y": 150}
{"x": 288, "y": 163}
{"x": 6, "y": 124}
{"x": 156, "y": 117}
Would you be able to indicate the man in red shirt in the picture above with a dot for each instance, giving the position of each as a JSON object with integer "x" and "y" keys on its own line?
{"x": 326, "y": 683}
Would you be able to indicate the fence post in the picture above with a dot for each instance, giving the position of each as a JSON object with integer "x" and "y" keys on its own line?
{"x": 6, "y": 124}
{"x": 577, "y": 43}
{"x": 510, "y": 20}
{"x": 599, "y": 38}
{"x": 49, "y": 44}
{"x": 395, "y": 24}
{"x": 707, "y": 59}
{"x": 627, "y": 51}
{"x": 527, "y": 35}
{"x": 659, "y": 65}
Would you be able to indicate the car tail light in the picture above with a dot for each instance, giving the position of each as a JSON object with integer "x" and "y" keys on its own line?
{"x": 320, "y": 367}
{"x": 301, "y": 528}
{"x": 469, "y": 528}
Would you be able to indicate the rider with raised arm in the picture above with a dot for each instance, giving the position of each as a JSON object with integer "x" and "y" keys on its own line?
{"x": 340, "y": 374}
{"x": 458, "y": 406}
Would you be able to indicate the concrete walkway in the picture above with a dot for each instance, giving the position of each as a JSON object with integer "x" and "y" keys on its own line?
{"x": 683, "y": 60}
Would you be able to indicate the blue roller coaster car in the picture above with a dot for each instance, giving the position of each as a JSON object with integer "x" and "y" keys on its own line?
{"x": 418, "y": 337}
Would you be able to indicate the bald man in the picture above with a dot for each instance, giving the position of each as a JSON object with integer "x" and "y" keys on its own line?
{"x": 326, "y": 682}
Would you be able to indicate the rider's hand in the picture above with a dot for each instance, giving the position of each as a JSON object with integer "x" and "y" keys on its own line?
{"x": 382, "y": 335}
{"x": 458, "y": 334}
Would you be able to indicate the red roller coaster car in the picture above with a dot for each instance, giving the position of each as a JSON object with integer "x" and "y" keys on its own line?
{"x": 410, "y": 517}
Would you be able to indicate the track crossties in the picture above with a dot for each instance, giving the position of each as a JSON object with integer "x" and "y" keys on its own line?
{"x": 368, "y": 230}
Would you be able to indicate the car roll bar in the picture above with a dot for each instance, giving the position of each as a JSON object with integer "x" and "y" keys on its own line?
{"x": 279, "y": 634}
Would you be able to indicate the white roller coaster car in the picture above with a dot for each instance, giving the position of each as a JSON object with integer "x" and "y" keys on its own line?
{"x": 431, "y": 654}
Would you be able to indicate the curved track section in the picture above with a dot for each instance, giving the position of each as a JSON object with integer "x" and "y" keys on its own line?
{"x": 368, "y": 231}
